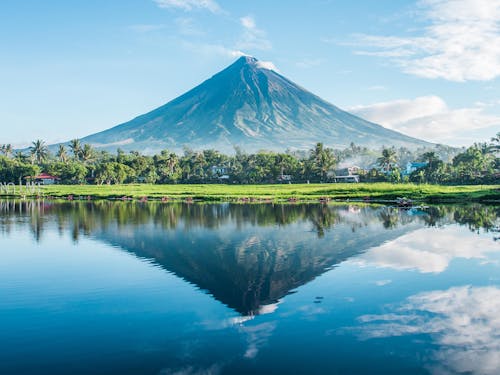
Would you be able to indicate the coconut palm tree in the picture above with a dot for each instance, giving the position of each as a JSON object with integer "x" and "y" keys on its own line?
{"x": 61, "y": 154}
{"x": 6, "y": 149}
{"x": 87, "y": 154}
{"x": 76, "y": 147}
{"x": 39, "y": 151}
{"x": 323, "y": 159}
{"x": 495, "y": 143}
{"x": 388, "y": 159}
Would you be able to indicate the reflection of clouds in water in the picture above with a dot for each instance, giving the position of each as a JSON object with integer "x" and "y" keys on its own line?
{"x": 428, "y": 250}
{"x": 257, "y": 337}
{"x": 309, "y": 310}
{"x": 382, "y": 282}
{"x": 215, "y": 369}
{"x": 464, "y": 321}
{"x": 263, "y": 310}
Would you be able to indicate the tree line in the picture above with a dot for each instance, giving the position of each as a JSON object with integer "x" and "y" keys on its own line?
{"x": 77, "y": 163}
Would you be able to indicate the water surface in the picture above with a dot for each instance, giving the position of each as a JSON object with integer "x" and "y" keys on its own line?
{"x": 157, "y": 288}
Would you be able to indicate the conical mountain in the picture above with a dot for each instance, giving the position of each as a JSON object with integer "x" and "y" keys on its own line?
{"x": 250, "y": 106}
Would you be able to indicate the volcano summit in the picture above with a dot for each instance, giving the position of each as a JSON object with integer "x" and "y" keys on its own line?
{"x": 252, "y": 106}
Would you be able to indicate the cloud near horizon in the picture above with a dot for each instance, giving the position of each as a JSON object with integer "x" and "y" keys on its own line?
{"x": 428, "y": 117}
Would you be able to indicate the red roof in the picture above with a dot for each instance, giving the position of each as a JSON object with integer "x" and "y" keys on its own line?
{"x": 45, "y": 176}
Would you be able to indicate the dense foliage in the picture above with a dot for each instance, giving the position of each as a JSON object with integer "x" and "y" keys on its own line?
{"x": 80, "y": 163}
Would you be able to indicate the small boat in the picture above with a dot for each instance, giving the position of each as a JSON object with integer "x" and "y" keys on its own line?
{"x": 404, "y": 202}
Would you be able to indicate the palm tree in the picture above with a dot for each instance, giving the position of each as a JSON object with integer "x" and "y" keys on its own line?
{"x": 20, "y": 157}
{"x": 323, "y": 159}
{"x": 62, "y": 154}
{"x": 388, "y": 159}
{"x": 87, "y": 154}
{"x": 76, "y": 147}
{"x": 431, "y": 158}
{"x": 6, "y": 149}
{"x": 495, "y": 143}
{"x": 39, "y": 151}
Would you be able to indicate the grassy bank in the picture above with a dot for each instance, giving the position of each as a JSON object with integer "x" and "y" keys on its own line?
{"x": 372, "y": 191}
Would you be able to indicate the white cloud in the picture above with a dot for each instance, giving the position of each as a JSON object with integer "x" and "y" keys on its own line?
{"x": 428, "y": 250}
{"x": 463, "y": 321}
{"x": 189, "y": 5}
{"x": 248, "y": 22}
{"x": 267, "y": 65}
{"x": 252, "y": 38}
{"x": 428, "y": 117}
{"x": 461, "y": 42}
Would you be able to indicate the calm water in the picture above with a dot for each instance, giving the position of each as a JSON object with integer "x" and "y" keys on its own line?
{"x": 178, "y": 289}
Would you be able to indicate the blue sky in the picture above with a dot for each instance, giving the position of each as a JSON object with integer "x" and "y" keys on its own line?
{"x": 428, "y": 68}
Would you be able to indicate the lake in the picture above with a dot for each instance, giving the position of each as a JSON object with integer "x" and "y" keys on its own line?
{"x": 206, "y": 289}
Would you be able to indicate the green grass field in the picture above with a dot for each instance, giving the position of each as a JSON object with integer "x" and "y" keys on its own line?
{"x": 306, "y": 192}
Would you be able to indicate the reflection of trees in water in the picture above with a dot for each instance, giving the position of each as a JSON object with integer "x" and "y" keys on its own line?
{"x": 323, "y": 218}
{"x": 478, "y": 217}
{"x": 389, "y": 217}
{"x": 84, "y": 217}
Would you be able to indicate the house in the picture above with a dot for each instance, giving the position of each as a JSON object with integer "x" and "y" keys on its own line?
{"x": 349, "y": 174}
{"x": 352, "y": 178}
{"x": 347, "y": 171}
{"x": 44, "y": 179}
{"x": 219, "y": 171}
{"x": 412, "y": 166}
{"x": 222, "y": 173}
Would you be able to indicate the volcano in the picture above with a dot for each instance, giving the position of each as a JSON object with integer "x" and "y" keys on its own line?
{"x": 251, "y": 106}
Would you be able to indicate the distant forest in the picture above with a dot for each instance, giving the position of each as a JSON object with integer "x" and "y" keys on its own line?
{"x": 79, "y": 163}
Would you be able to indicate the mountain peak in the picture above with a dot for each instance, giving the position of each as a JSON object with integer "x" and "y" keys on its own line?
{"x": 247, "y": 59}
{"x": 247, "y": 105}
{"x": 253, "y": 62}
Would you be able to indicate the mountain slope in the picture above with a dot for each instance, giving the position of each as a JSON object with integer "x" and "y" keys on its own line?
{"x": 250, "y": 106}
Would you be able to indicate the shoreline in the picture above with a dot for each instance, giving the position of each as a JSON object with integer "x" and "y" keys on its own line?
{"x": 301, "y": 193}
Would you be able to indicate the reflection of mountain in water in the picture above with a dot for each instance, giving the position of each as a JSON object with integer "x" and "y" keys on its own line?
{"x": 247, "y": 266}
{"x": 246, "y": 256}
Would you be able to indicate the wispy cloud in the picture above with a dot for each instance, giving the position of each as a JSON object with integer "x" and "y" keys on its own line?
{"x": 212, "y": 49}
{"x": 428, "y": 117}
{"x": 253, "y": 38}
{"x": 376, "y": 88}
{"x": 460, "y": 43}
{"x": 309, "y": 63}
{"x": 145, "y": 28}
{"x": 189, "y": 5}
